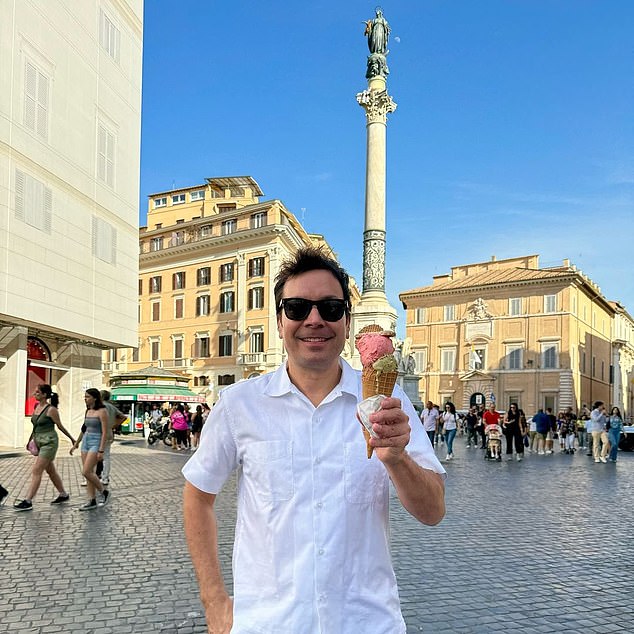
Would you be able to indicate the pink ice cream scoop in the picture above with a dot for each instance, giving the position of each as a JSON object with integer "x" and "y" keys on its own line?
{"x": 374, "y": 345}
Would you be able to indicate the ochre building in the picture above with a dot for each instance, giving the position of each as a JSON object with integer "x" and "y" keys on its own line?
{"x": 510, "y": 331}
{"x": 208, "y": 258}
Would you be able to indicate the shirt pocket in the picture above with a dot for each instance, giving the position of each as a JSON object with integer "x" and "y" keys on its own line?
{"x": 268, "y": 464}
{"x": 364, "y": 480}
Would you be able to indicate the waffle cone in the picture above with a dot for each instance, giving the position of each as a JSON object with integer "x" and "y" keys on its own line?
{"x": 372, "y": 384}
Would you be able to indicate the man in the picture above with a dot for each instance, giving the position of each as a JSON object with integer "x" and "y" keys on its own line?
{"x": 311, "y": 550}
{"x": 429, "y": 417}
{"x": 491, "y": 416}
{"x": 598, "y": 419}
{"x": 115, "y": 418}
{"x": 542, "y": 427}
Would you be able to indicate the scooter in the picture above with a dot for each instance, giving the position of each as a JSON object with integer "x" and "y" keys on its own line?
{"x": 160, "y": 431}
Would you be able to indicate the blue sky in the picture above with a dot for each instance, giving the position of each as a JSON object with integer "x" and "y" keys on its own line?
{"x": 514, "y": 132}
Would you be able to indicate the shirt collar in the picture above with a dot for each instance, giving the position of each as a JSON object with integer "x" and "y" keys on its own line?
{"x": 280, "y": 383}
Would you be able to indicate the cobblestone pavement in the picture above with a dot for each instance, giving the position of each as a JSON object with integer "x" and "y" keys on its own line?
{"x": 536, "y": 546}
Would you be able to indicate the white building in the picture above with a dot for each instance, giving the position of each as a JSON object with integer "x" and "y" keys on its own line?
{"x": 70, "y": 117}
{"x": 623, "y": 362}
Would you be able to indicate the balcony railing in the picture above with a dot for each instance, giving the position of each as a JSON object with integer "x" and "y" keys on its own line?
{"x": 177, "y": 364}
{"x": 252, "y": 358}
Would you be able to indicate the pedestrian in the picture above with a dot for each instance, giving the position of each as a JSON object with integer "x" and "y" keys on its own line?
{"x": 532, "y": 435}
{"x": 571, "y": 430}
{"x": 93, "y": 444}
{"x": 513, "y": 432}
{"x": 45, "y": 420}
{"x": 480, "y": 426}
{"x": 552, "y": 430}
{"x": 542, "y": 429}
{"x": 615, "y": 427}
{"x": 115, "y": 418}
{"x": 599, "y": 420}
{"x": 429, "y": 417}
{"x": 582, "y": 434}
{"x": 491, "y": 417}
{"x": 3, "y": 494}
{"x": 471, "y": 421}
{"x": 561, "y": 422}
{"x": 178, "y": 424}
{"x": 312, "y": 545}
{"x": 449, "y": 426}
{"x": 197, "y": 426}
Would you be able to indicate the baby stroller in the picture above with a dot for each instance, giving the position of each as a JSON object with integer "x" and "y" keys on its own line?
{"x": 493, "y": 446}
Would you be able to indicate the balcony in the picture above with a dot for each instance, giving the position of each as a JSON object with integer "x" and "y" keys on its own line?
{"x": 252, "y": 358}
{"x": 175, "y": 364}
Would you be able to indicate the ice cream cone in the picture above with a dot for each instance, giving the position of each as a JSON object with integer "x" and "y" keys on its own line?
{"x": 373, "y": 383}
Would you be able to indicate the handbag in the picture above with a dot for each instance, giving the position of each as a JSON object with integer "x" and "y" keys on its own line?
{"x": 33, "y": 448}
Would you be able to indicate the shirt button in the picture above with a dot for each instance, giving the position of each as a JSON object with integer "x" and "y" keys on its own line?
{"x": 321, "y": 551}
{"x": 319, "y": 505}
{"x": 317, "y": 460}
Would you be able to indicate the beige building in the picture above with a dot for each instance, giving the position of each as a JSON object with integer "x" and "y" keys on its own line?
{"x": 70, "y": 116}
{"x": 623, "y": 361}
{"x": 510, "y": 331}
{"x": 208, "y": 258}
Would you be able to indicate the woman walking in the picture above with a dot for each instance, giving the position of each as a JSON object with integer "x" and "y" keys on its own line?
{"x": 178, "y": 423}
{"x": 450, "y": 425}
{"x": 614, "y": 432}
{"x": 197, "y": 426}
{"x": 45, "y": 419}
{"x": 93, "y": 445}
{"x": 514, "y": 433}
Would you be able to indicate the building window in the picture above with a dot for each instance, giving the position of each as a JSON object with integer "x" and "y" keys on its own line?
{"x": 602, "y": 370}
{"x": 258, "y": 220}
{"x": 155, "y": 349}
{"x": 206, "y": 231}
{"x": 256, "y": 342}
{"x": 135, "y": 355}
{"x": 226, "y": 272}
{"x": 105, "y": 155}
{"x": 202, "y": 347}
{"x": 515, "y": 306}
{"x": 155, "y": 284}
{"x": 582, "y": 361}
{"x": 256, "y": 298}
{"x": 256, "y": 267}
{"x": 140, "y": 287}
{"x": 550, "y": 401}
{"x": 160, "y": 202}
{"x": 448, "y": 360}
{"x": 156, "y": 244}
{"x": 226, "y": 379}
{"x": 420, "y": 360}
{"x": 177, "y": 238}
{"x": 227, "y": 302}
{"x": 33, "y": 202}
{"x": 225, "y": 346}
{"x": 109, "y": 36}
{"x": 513, "y": 398}
{"x": 201, "y": 381}
{"x": 477, "y": 359}
{"x": 178, "y": 280}
{"x": 449, "y": 312}
{"x": 228, "y": 226}
{"x": 202, "y": 305}
{"x": 549, "y": 355}
{"x": 36, "y": 100}
{"x": 550, "y": 303}
{"x": 203, "y": 276}
{"x": 574, "y": 305}
{"x": 156, "y": 311}
{"x": 178, "y": 350}
{"x": 197, "y": 195}
{"x": 225, "y": 208}
{"x": 420, "y": 316}
{"x": 178, "y": 199}
{"x": 594, "y": 366}
{"x": 514, "y": 357}
{"x": 178, "y": 308}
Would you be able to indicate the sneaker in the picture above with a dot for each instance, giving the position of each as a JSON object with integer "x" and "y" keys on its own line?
{"x": 25, "y": 505}
{"x": 519, "y": 458}
{"x": 3, "y": 494}
{"x": 61, "y": 498}
{"x": 105, "y": 481}
{"x": 541, "y": 453}
{"x": 548, "y": 452}
{"x": 89, "y": 506}
{"x": 104, "y": 497}
{"x": 603, "y": 460}
{"x": 448, "y": 457}
{"x": 84, "y": 483}
{"x": 597, "y": 460}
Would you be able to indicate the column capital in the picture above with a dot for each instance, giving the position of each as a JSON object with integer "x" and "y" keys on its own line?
{"x": 377, "y": 104}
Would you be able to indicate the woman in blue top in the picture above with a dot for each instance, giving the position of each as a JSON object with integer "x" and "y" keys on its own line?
{"x": 614, "y": 433}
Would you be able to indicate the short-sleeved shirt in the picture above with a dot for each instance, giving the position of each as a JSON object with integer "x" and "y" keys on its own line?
{"x": 430, "y": 418}
{"x": 311, "y": 551}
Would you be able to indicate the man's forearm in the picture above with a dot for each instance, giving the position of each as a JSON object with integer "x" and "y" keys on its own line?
{"x": 421, "y": 491}
{"x": 202, "y": 540}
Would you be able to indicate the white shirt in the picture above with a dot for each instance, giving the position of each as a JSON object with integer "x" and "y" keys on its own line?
{"x": 311, "y": 547}
{"x": 449, "y": 421}
{"x": 429, "y": 418}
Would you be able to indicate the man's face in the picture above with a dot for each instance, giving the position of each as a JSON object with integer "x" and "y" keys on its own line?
{"x": 429, "y": 404}
{"x": 492, "y": 407}
{"x": 313, "y": 344}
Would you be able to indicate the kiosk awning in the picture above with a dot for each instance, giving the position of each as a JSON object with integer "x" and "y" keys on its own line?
{"x": 171, "y": 393}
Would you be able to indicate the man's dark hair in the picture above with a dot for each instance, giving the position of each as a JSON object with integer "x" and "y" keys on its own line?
{"x": 310, "y": 259}
{"x": 597, "y": 404}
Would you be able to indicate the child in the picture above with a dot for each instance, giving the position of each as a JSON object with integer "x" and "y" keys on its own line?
{"x": 494, "y": 434}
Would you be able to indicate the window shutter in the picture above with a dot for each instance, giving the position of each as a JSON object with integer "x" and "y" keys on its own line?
{"x": 42, "y": 105}
{"x": 19, "y": 195}
{"x": 30, "y": 96}
{"x": 47, "y": 210}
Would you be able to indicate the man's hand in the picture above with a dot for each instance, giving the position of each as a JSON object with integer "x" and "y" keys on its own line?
{"x": 391, "y": 425}
{"x": 219, "y": 614}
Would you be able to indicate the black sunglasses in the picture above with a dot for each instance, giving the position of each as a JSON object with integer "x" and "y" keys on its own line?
{"x": 298, "y": 308}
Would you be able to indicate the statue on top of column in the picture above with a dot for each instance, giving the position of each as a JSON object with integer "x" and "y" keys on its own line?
{"x": 378, "y": 32}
